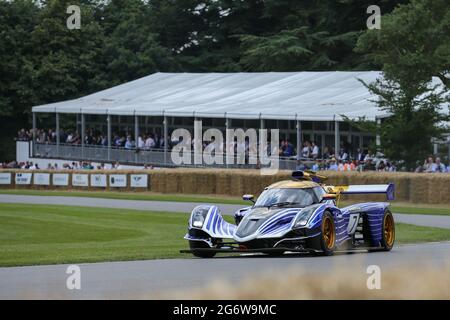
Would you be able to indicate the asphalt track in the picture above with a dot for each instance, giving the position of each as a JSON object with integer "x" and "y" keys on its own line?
{"x": 157, "y": 278}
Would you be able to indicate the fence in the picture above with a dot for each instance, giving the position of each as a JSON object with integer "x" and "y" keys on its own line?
{"x": 154, "y": 157}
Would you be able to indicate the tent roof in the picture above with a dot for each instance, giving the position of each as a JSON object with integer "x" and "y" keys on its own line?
{"x": 315, "y": 96}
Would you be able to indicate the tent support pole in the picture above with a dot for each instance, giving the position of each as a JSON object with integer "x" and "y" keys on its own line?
{"x": 136, "y": 136}
{"x": 83, "y": 132}
{"x": 57, "y": 134}
{"x": 34, "y": 135}
{"x": 378, "y": 137}
{"x": 165, "y": 139}
{"x": 299, "y": 139}
{"x": 108, "y": 122}
{"x": 337, "y": 138}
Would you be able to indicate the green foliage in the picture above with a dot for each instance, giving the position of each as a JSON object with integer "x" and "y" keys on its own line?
{"x": 413, "y": 46}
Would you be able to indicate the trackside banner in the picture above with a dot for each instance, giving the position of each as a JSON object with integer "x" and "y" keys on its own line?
{"x": 23, "y": 178}
{"x": 42, "y": 179}
{"x": 118, "y": 180}
{"x": 80, "y": 180}
{"x": 60, "y": 179}
{"x": 138, "y": 181}
{"x": 5, "y": 178}
{"x": 98, "y": 180}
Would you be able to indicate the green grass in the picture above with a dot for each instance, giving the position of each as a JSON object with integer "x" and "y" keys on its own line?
{"x": 49, "y": 234}
{"x": 408, "y": 233}
{"x": 128, "y": 196}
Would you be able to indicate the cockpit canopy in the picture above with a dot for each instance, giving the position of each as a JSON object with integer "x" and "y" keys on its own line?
{"x": 298, "y": 197}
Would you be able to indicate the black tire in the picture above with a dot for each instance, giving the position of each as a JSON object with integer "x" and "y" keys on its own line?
{"x": 388, "y": 231}
{"x": 200, "y": 245}
{"x": 328, "y": 234}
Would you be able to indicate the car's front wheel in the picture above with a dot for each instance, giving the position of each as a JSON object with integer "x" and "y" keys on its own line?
{"x": 200, "y": 245}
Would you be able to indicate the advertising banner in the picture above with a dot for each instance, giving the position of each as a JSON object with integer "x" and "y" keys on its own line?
{"x": 139, "y": 180}
{"x": 60, "y": 179}
{"x": 118, "y": 180}
{"x": 98, "y": 180}
{"x": 41, "y": 179}
{"x": 5, "y": 178}
{"x": 23, "y": 178}
{"x": 80, "y": 180}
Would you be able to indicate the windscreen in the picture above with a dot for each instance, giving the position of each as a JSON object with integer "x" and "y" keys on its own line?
{"x": 298, "y": 197}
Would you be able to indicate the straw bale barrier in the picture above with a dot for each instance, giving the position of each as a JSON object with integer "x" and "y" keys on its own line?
{"x": 409, "y": 187}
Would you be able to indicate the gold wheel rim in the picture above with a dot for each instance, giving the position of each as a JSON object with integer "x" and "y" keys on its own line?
{"x": 328, "y": 232}
{"x": 389, "y": 230}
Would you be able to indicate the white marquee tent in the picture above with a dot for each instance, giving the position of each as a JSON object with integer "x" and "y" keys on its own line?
{"x": 309, "y": 96}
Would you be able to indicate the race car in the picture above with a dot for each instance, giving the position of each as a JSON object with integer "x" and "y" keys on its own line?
{"x": 297, "y": 215}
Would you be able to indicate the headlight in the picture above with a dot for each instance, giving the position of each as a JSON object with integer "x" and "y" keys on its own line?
{"x": 303, "y": 217}
{"x": 199, "y": 216}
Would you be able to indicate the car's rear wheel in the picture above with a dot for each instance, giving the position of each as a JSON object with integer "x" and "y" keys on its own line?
{"x": 328, "y": 234}
{"x": 388, "y": 231}
{"x": 201, "y": 245}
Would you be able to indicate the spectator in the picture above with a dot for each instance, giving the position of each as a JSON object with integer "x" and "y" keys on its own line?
{"x": 288, "y": 149}
{"x": 360, "y": 156}
{"x": 129, "y": 144}
{"x": 315, "y": 151}
{"x": 141, "y": 143}
{"x": 150, "y": 142}
{"x": 343, "y": 155}
{"x": 306, "y": 151}
{"x": 439, "y": 166}
{"x": 333, "y": 166}
{"x": 429, "y": 165}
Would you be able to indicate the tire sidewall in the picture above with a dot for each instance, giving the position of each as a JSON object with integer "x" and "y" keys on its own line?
{"x": 384, "y": 244}
{"x": 326, "y": 251}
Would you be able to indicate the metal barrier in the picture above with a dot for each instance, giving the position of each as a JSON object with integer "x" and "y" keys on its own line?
{"x": 153, "y": 157}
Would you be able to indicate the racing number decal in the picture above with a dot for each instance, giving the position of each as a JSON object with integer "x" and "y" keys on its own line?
{"x": 352, "y": 223}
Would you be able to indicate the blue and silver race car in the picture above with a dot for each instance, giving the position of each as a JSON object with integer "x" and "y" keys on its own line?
{"x": 298, "y": 215}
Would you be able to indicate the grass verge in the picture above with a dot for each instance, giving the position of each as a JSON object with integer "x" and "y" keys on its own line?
{"x": 148, "y": 196}
{"x": 50, "y": 234}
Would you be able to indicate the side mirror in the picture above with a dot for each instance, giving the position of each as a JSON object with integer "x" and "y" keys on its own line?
{"x": 329, "y": 196}
{"x": 248, "y": 197}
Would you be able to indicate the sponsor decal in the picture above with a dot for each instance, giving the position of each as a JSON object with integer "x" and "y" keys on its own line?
{"x": 80, "y": 180}
{"x": 139, "y": 180}
{"x": 98, "y": 180}
{"x": 5, "y": 178}
{"x": 60, "y": 179}
{"x": 23, "y": 178}
{"x": 118, "y": 180}
{"x": 41, "y": 179}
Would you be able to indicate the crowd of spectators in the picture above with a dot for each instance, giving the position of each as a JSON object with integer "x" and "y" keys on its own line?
{"x": 433, "y": 165}
{"x": 310, "y": 156}
{"x": 76, "y": 165}
{"x": 93, "y": 138}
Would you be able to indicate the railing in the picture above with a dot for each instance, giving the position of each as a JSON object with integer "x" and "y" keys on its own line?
{"x": 155, "y": 157}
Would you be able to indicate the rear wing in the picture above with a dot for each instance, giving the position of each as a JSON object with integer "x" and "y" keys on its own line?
{"x": 387, "y": 189}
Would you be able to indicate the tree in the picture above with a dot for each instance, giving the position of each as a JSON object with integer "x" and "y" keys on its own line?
{"x": 413, "y": 47}
{"x": 309, "y": 35}
{"x": 17, "y": 21}
{"x": 64, "y": 62}
{"x": 131, "y": 49}
{"x": 413, "y": 44}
